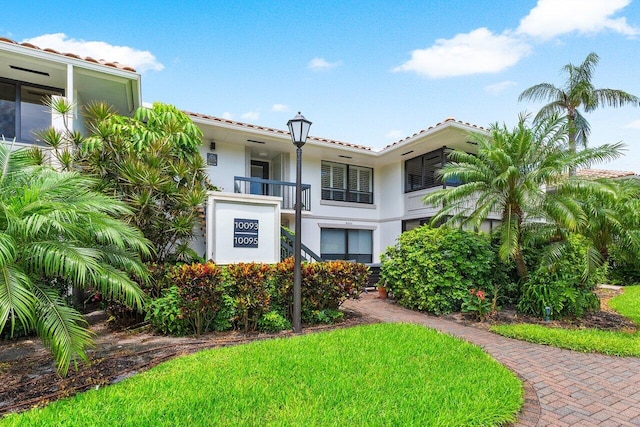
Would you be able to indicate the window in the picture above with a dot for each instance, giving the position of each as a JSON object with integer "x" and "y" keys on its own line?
{"x": 346, "y": 183}
{"x": 23, "y": 111}
{"x": 421, "y": 172}
{"x": 347, "y": 244}
{"x": 410, "y": 224}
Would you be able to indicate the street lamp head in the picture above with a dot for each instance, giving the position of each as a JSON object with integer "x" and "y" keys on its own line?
{"x": 299, "y": 129}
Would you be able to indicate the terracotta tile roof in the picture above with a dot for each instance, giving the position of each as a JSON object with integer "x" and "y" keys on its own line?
{"x": 274, "y": 131}
{"x": 602, "y": 173}
{"x": 448, "y": 119}
{"x": 72, "y": 55}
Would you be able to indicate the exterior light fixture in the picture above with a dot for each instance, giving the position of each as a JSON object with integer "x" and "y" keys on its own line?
{"x": 299, "y": 130}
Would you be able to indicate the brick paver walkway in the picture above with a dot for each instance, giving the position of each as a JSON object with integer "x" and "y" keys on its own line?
{"x": 562, "y": 387}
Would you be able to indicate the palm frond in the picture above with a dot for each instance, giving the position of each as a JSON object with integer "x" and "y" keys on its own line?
{"x": 62, "y": 329}
{"x": 17, "y": 301}
{"x": 116, "y": 284}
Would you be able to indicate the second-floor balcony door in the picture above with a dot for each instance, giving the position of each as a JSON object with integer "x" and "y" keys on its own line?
{"x": 259, "y": 169}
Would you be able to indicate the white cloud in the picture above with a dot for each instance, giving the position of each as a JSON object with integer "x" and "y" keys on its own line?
{"x": 633, "y": 125}
{"x": 479, "y": 51}
{"x": 141, "y": 60}
{"x": 550, "y": 18}
{"x": 227, "y": 115}
{"x": 498, "y": 88}
{"x": 251, "y": 115}
{"x": 320, "y": 64}
{"x": 279, "y": 108}
{"x": 394, "y": 134}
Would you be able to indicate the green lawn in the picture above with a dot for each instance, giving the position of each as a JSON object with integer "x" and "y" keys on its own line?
{"x": 586, "y": 340}
{"x": 381, "y": 374}
{"x": 628, "y": 303}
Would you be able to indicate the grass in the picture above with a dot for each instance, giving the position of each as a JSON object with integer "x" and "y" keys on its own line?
{"x": 586, "y": 340}
{"x": 382, "y": 374}
{"x": 628, "y": 303}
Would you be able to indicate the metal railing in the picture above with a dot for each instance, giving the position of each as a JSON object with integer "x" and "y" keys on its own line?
{"x": 286, "y": 248}
{"x": 270, "y": 187}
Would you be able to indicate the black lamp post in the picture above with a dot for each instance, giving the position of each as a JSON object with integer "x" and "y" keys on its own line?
{"x": 299, "y": 129}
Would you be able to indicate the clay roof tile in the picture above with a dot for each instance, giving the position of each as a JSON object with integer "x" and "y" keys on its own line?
{"x": 71, "y": 55}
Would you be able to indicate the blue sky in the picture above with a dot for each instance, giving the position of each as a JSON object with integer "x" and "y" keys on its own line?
{"x": 363, "y": 72}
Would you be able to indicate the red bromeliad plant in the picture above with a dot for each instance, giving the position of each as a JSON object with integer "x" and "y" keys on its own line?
{"x": 476, "y": 302}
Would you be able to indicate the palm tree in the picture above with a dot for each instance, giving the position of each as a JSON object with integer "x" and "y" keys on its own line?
{"x": 55, "y": 229}
{"x": 517, "y": 174}
{"x": 578, "y": 92}
{"x": 613, "y": 219}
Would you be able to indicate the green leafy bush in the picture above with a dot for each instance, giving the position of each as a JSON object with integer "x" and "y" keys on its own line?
{"x": 623, "y": 270}
{"x": 224, "y": 319}
{"x": 158, "y": 279}
{"x": 562, "y": 284}
{"x": 327, "y": 316}
{"x": 250, "y": 288}
{"x": 432, "y": 269}
{"x": 154, "y": 286}
{"x": 273, "y": 321}
{"x": 165, "y": 315}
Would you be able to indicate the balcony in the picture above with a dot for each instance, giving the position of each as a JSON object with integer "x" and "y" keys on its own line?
{"x": 269, "y": 187}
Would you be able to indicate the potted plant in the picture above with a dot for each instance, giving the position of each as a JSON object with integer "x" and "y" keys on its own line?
{"x": 382, "y": 290}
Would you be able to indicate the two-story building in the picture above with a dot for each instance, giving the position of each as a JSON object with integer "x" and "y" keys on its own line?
{"x": 356, "y": 200}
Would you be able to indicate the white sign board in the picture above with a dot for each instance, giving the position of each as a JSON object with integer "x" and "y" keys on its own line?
{"x": 243, "y": 228}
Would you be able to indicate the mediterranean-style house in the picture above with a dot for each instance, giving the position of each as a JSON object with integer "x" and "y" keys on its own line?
{"x": 356, "y": 200}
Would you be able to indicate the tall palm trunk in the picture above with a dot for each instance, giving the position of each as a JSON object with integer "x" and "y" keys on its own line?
{"x": 571, "y": 122}
{"x": 521, "y": 266}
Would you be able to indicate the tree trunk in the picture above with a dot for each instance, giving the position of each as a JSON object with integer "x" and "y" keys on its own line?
{"x": 572, "y": 138}
{"x": 521, "y": 266}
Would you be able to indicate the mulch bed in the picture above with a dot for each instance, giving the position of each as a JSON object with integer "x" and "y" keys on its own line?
{"x": 604, "y": 319}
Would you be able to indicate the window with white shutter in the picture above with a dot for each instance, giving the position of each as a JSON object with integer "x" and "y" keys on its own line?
{"x": 346, "y": 183}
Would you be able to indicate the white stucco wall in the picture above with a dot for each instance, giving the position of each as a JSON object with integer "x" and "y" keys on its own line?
{"x": 231, "y": 163}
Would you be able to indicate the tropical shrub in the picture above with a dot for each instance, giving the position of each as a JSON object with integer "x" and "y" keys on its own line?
{"x": 328, "y": 316}
{"x": 273, "y": 321}
{"x": 622, "y": 271}
{"x": 150, "y": 161}
{"x": 165, "y": 315}
{"x": 562, "y": 283}
{"x": 54, "y": 229}
{"x": 432, "y": 269}
{"x": 324, "y": 285}
{"x": 226, "y": 314}
{"x": 250, "y": 296}
{"x": 200, "y": 288}
{"x": 123, "y": 316}
{"x": 250, "y": 287}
